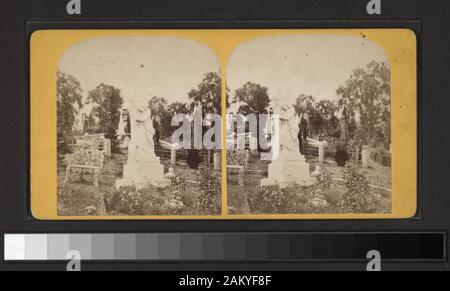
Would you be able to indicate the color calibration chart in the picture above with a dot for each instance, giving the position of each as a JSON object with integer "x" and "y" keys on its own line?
{"x": 226, "y": 247}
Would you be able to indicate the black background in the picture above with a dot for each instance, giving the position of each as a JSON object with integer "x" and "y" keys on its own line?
{"x": 429, "y": 18}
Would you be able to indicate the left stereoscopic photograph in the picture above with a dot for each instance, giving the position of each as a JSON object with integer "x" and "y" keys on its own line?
{"x": 120, "y": 103}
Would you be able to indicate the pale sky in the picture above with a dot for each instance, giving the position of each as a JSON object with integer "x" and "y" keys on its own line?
{"x": 310, "y": 64}
{"x": 142, "y": 67}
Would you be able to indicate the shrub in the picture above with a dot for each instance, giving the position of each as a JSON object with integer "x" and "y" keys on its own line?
{"x": 126, "y": 200}
{"x": 271, "y": 200}
{"x": 358, "y": 197}
{"x": 324, "y": 187}
{"x": 210, "y": 188}
{"x": 237, "y": 157}
{"x": 341, "y": 157}
{"x": 149, "y": 200}
{"x": 174, "y": 203}
{"x": 194, "y": 159}
{"x": 324, "y": 180}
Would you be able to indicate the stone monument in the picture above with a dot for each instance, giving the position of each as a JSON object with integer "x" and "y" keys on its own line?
{"x": 143, "y": 167}
{"x": 122, "y": 125}
{"x": 290, "y": 167}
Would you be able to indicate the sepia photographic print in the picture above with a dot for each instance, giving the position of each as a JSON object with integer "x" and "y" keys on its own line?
{"x": 331, "y": 99}
{"x": 117, "y": 102}
{"x": 241, "y": 124}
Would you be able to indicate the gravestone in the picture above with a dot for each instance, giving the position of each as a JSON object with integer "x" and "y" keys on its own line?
{"x": 173, "y": 156}
{"x": 85, "y": 161}
{"x": 107, "y": 147}
{"x": 97, "y": 141}
{"x": 366, "y": 152}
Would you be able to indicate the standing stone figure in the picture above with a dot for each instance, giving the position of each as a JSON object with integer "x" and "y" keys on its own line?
{"x": 291, "y": 166}
{"x": 143, "y": 167}
{"x": 288, "y": 129}
{"x": 121, "y": 132}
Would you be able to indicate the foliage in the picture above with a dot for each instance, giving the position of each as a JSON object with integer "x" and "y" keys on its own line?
{"x": 326, "y": 188}
{"x": 254, "y": 96}
{"x": 271, "y": 200}
{"x": 324, "y": 180}
{"x": 325, "y": 196}
{"x": 358, "y": 198}
{"x": 69, "y": 97}
{"x": 327, "y": 110}
{"x": 237, "y": 157}
{"x": 194, "y": 159}
{"x": 75, "y": 199}
{"x": 161, "y": 116}
{"x": 158, "y": 106}
{"x": 126, "y": 200}
{"x": 304, "y": 104}
{"x": 364, "y": 103}
{"x": 321, "y": 115}
{"x": 174, "y": 204}
{"x": 149, "y": 200}
{"x": 163, "y": 112}
{"x": 208, "y": 94}
{"x": 342, "y": 157}
{"x": 367, "y": 95}
{"x": 289, "y": 200}
{"x": 178, "y": 108}
{"x": 255, "y": 99}
{"x": 108, "y": 102}
{"x": 317, "y": 122}
{"x": 210, "y": 188}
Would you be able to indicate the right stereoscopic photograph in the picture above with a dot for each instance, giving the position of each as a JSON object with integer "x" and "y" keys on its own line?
{"x": 309, "y": 126}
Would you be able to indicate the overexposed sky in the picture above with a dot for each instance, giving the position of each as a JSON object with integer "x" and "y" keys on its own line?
{"x": 142, "y": 67}
{"x": 301, "y": 64}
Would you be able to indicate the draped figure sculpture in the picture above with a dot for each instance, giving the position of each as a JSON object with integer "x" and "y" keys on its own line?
{"x": 290, "y": 167}
{"x": 143, "y": 167}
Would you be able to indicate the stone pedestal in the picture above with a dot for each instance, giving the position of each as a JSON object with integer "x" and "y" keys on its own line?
{"x": 173, "y": 156}
{"x": 290, "y": 168}
{"x": 142, "y": 174}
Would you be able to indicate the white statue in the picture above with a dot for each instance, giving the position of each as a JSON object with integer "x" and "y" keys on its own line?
{"x": 122, "y": 125}
{"x": 141, "y": 146}
{"x": 289, "y": 129}
{"x": 143, "y": 167}
{"x": 290, "y": 168}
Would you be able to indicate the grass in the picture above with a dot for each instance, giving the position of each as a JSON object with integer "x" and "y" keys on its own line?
{"x": 238, "y": 196}
{"x": 74, "y": 199}
{"x": 80, "y": 197}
